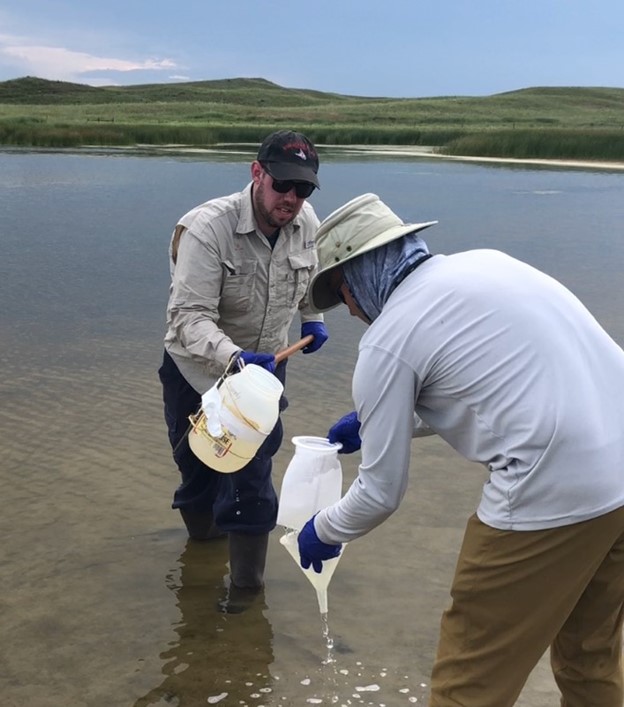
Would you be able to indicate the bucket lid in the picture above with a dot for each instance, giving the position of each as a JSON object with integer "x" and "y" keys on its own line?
{"x": 319, "y": 445}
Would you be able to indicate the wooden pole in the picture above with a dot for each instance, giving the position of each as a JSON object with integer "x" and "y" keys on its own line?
{"x": 293, "y": 348}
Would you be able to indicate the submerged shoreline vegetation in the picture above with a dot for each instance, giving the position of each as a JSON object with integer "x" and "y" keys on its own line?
{"x": 554, "y": 123}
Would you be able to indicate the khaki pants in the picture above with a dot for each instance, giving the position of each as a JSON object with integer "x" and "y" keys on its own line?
{"x": 517, "y": 593}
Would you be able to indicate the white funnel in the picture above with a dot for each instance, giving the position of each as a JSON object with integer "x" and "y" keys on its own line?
{"x": 320, "y": 581}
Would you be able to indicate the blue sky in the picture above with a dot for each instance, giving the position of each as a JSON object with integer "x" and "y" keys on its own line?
{"x": 410, "y": 48}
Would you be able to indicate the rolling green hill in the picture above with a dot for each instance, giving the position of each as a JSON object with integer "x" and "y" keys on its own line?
{"x": 34, "y": 91}
{"x": 532, "y": 122}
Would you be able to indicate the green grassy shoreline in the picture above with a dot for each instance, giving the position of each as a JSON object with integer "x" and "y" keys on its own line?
{"x": 538, "y": 123}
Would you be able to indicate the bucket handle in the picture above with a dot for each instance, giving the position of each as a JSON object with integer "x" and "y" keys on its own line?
{"x": 279, "y": 356}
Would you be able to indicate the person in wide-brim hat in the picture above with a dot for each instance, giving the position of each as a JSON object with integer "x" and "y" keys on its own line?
{"x": 509, "y": 368}
{"x": 362, "y": 225}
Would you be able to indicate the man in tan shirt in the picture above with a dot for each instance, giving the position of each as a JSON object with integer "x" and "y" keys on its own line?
{"x": 240, "y": 269}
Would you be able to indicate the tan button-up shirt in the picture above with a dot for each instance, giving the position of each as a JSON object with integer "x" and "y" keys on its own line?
{"x": 230, "y": 290}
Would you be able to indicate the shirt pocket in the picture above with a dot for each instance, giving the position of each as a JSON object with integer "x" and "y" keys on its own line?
{"x": 237, "y": 288}
{"x": 301, "y": 265}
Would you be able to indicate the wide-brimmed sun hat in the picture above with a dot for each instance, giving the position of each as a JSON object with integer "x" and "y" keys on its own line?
{"x": 360, "y": 225}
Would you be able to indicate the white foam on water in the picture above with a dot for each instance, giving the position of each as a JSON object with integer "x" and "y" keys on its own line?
{"x": 306, "y": 681}
{"x": 314, "y": 700}
{"x": 217, "y": 698}
{"x": 404, "y": 690}
{"x": 368, "y": 688}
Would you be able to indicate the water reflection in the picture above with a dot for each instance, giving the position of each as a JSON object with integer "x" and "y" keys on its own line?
{"x": 217, "y": 657}
{"x": 104, "y": 601}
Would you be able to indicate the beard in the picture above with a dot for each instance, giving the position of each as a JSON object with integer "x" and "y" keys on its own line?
{"x": 272, "y": 218}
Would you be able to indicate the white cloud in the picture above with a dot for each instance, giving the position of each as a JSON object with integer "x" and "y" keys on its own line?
{"x": 58, "y": 63}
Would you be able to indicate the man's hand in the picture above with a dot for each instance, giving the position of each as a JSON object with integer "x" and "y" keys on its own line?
{"x": 266, "y": 361}
{"x": 318, "y": 331}
{"x": 347, "y": 432}
{"x": 312, "y": 550}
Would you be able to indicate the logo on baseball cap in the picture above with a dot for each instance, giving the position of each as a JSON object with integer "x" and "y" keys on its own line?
{"x": 288, "y": 155}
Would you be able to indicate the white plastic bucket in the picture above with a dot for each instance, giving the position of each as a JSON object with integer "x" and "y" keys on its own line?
{"x": 312, "y": 481}
{"x": 247, "y": 411}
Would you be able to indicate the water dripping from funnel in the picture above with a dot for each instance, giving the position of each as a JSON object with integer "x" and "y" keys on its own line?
{"x": 329, "y": 641}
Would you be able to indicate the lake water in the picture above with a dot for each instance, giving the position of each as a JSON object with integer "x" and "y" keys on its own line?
{"x": 104, "y": 602}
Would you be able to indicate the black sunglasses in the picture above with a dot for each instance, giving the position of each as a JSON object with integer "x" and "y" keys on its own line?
{"x": 302, "y": 189}
{"x": 282, "y": 186}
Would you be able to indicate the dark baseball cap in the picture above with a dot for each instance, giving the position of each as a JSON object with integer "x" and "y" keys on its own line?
{"x": 289, "y": 156}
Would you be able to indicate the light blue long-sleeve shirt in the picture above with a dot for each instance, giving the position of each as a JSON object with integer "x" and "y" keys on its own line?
{"x": 508, "y": 367}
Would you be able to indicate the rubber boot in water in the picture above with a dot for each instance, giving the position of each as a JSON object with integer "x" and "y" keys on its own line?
{"x": 200, "y": 526}
{"x": 247, "y": 559}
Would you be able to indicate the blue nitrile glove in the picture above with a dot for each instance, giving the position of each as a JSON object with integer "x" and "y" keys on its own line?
{"x": 347, "y": 432}
{"x": 318, "y": 331}
{"x": 263, "y": 360}
{"x": 313, "y": 551}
